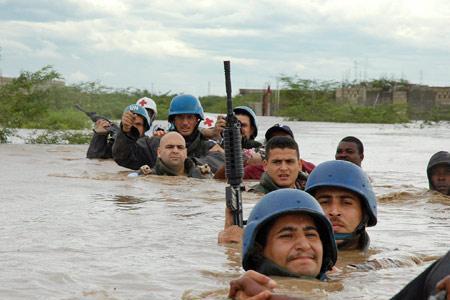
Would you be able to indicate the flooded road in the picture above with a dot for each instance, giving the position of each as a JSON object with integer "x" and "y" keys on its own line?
{"x": 73, "y": 228}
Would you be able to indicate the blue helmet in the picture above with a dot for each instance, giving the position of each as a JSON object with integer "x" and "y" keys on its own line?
{"x": 276, "y": 204}
{"x": 347, "y": 175}
{"x": 185, "y": 104}
{"x": 245, "y": 110}
{"x": 139, "y": 110}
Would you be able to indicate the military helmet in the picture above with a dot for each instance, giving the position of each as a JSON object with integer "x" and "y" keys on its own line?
{"x": 148, "y": 103}
{"x": 139, "y": 110}
{"x": 245, "y": 110}
{"x": 282, "y": 202}
{"x": 347, "y": 175}
{"x": 185, "y": 104}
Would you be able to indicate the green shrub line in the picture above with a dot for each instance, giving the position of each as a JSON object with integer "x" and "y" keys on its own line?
{"x": 38, "y": 100}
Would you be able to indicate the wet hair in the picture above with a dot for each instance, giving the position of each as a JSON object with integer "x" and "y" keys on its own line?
{"x": 282, "y": 142}
{"x": 352, "y": 139}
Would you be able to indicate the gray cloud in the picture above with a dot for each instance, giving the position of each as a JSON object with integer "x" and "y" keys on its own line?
{"x": 179, "y": 45}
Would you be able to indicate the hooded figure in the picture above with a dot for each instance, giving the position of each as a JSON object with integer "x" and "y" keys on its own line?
{"x": 438, "y": 172}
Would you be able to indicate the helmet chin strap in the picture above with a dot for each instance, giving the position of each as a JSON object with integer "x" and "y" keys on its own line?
{"x": 349, "y": 238}
{"x": 269, "y": 268}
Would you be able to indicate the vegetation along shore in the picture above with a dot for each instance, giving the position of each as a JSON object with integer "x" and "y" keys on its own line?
{"x": 41, "y": 100}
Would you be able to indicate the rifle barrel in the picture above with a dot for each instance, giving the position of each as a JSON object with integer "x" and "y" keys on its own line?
{"x": 227, "y": 68}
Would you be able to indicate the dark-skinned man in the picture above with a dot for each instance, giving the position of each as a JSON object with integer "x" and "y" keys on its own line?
{"x": 438, "y": 172}
{"x": 350, "y": 149}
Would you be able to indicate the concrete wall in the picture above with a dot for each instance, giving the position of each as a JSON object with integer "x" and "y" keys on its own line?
{"x": 5, "y": 80}
{"x": 419, "y": 98}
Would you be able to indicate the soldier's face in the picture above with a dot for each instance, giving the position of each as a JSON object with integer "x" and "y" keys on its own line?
{"x": 293, "y": 242}
{"x": 185, "y": 124}
{"x": 282, "y": 165}
{"x": 349, "y": 151}
{"x": 342, "y": 207}
{"x": 172, "y": 150}
{"x": 139, "y": 124}
{"x": 440, "y": 178}
{"x": 246, "y": 126}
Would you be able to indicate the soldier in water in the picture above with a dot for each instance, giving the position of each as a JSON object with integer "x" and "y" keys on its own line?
{"x": 438, "y": 172}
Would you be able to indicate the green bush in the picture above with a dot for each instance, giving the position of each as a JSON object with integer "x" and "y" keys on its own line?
{"x": 4, "y": 134}
{"x": 59, "y": 137}
{"x": 39, "y": 100}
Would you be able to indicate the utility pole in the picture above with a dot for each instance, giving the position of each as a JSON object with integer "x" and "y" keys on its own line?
{"x": 356, "y": 70}
{"x": 0, "y": 61}
{"x": 1, "y": 74}
{"x": 366, "y": 63}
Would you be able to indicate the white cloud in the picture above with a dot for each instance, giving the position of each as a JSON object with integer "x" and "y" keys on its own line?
{"x": 77, "y": 76}
{"x": 48, "y": 51}
{"x": 223, "y": 32}
{"x": 107, "y": 7}
{"x": 14, "y": 45}
{"x": 239, "y": 60}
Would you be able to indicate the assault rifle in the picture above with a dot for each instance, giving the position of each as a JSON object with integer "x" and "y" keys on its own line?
{"x": 234, "y": 168}
{"x": 113, "y": 128}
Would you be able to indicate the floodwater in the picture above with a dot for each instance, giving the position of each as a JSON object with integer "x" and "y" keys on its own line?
{"x": 73, "y": 228}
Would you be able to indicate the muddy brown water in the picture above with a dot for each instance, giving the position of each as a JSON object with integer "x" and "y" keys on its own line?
{"x": 73, "y": 228}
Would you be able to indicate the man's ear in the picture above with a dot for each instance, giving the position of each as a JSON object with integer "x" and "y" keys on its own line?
{"x": 158, "y": 151}
{"x": 265, "y": 165}
{"x": 362, "y": 156}
{"x": 300, "y": 165}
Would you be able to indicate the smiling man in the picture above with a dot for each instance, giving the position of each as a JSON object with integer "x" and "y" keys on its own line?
{"x": 346, "y": 196}
{"x": 287, "y": 234}
{"x": 282, "y": 165}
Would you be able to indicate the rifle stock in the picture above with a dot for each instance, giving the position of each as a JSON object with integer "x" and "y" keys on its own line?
{"x": 234, "y": 168}
{"x": 114, "y": 129}
{"x": 92, "y": 115}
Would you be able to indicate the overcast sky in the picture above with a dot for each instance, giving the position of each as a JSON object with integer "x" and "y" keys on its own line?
{"x": 179, "y": 46}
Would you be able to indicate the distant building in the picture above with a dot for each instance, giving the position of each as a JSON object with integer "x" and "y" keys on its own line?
{"x": 5, "y": 80}
{"x": 418, "y": 98}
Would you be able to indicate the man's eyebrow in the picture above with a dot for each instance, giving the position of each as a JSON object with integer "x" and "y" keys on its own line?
{"x": 325, "y": 195}
{"x": 308, "y": 228}
{"x": 292, "y": 229}
{"x": 287, "y": 228}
